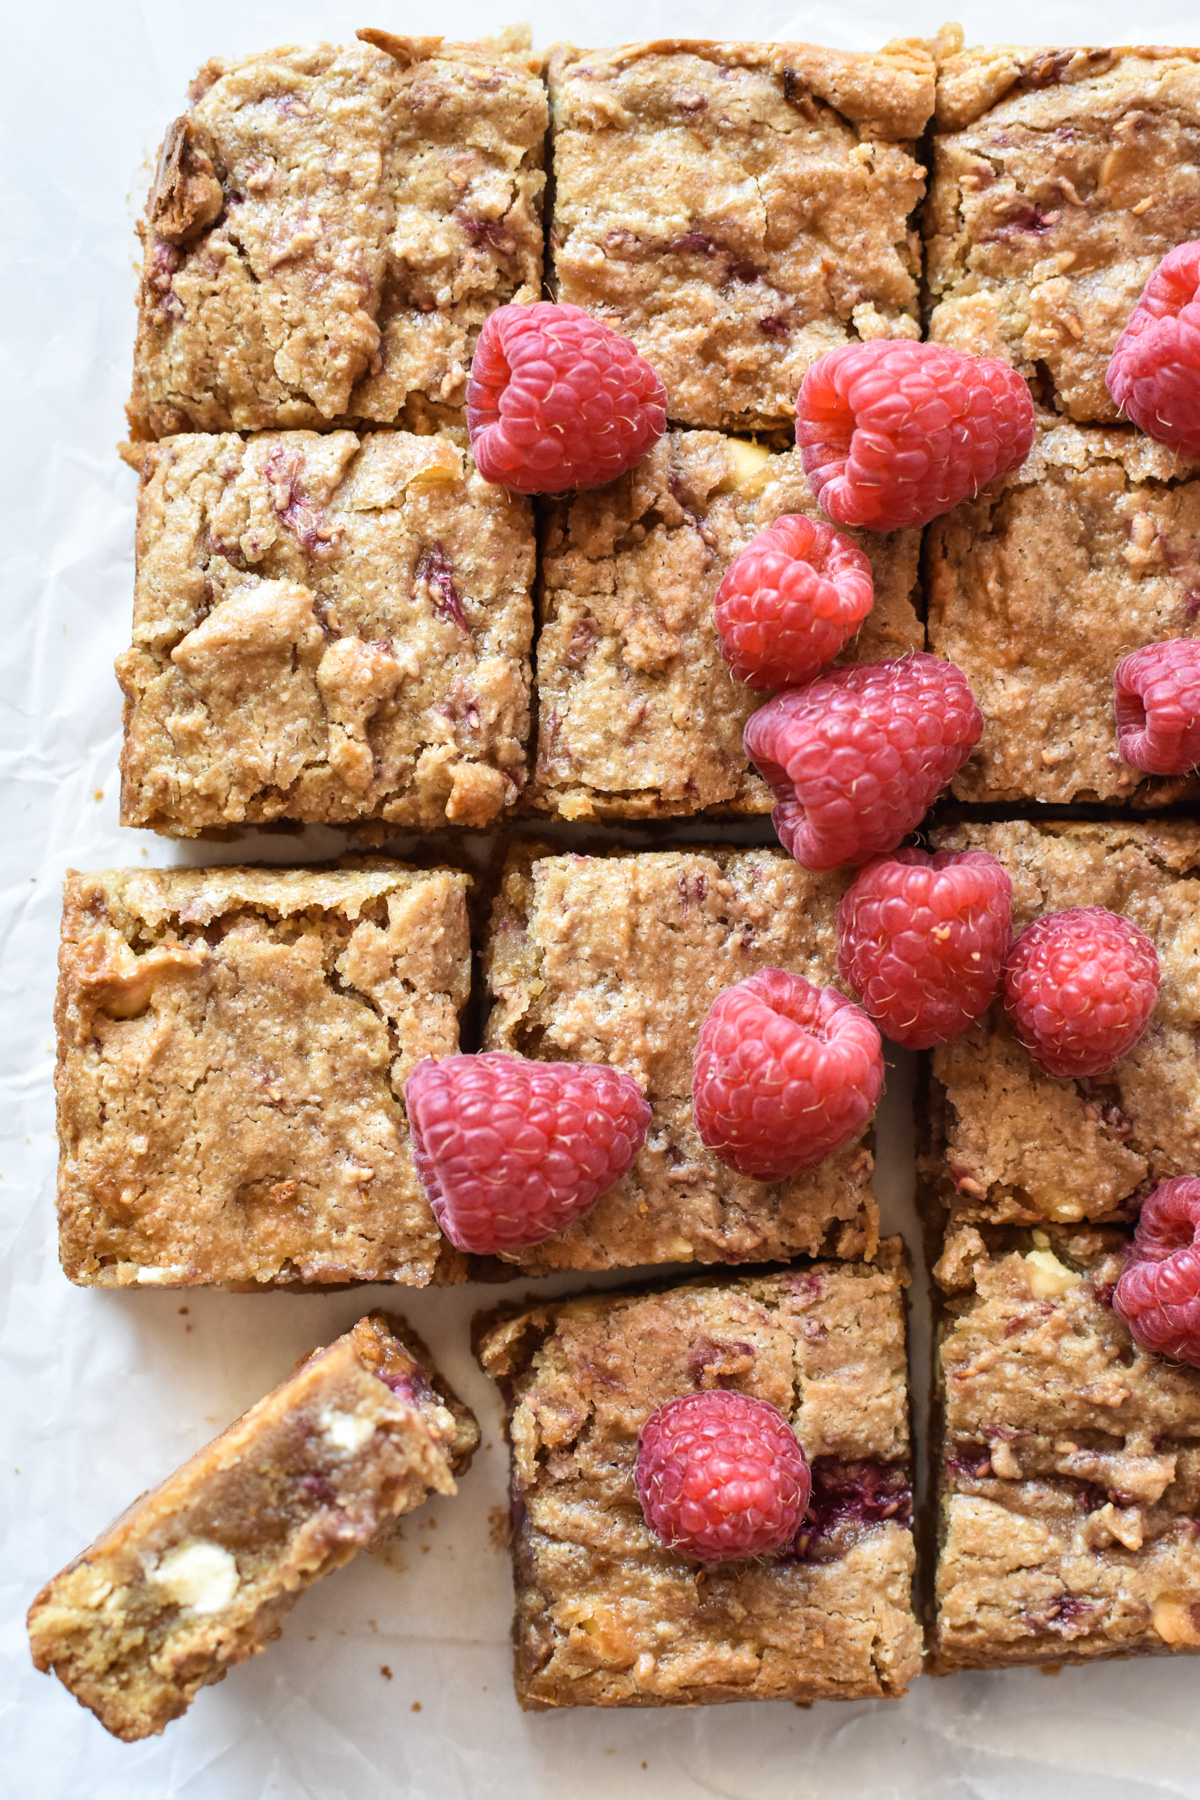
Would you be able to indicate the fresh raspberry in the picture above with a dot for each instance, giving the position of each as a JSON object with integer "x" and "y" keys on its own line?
{"x": 797, "y": 593}
{"x": 783, "y": 1073}
{"x": 1158, "y": 1295}
{"x": 1079, "y": 987}
{"x": 892, "y": 433}
{"x": 855, "y": 757}
{"x": 559, "y": 400}
{"x": 720, "y": 1476}
{"x": 922, "y": 941}
{"x": 1154, "y": 372}
{"x": 509, "y": 1151}
{"x": 1157, "y": 693}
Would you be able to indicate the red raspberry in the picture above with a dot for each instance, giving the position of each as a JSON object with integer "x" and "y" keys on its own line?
{"x": 1154, "y": 373}
{"x": 559, "y": 400}
{"x": 1079, "y": 987}
{"x": 721, "y": 1476}
{"x": 797, "y": 593}
{"x": 855, "y": 757}
{"x": 1158, "y": 1295}
{"x": 1157, "y": 692}
{"x": 510, "y": 1151}
{"x": 922, "y": 941}
{"x": 893, "y": 433}
{"x": 783, "y": 1073}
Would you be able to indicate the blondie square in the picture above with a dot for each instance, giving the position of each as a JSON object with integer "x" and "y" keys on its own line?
{"x": 1041, "y": 584}
{"x": 232, "y": 1048}
{"x": 606, "y": 1615}
{"x": 1012, "y": 1145}
{"x": 199, "y": 1574}
{"x": 1061, "y": 178}
{"x": 326, "y": 628}
{"x": 328, "y": 229}
{"x": 617, "y": 959}
{"x": 638, "y": 715}
{"x": 1070, "y": 1472}
{"x": 738, "y": 209}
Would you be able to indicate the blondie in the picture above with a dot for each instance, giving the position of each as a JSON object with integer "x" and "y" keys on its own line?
{"x": 198, "y": 1574}
{"x": 232, "y": 1047}
{"x": 606, "y": 1615}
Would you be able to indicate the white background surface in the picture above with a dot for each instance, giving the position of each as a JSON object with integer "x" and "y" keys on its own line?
{"x": 104, "y": 1393}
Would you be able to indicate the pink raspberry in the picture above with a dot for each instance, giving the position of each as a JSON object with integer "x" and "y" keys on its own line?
{"x": 1079, "y": 988}
{"x": 721, "y": 1476}
{"x": 797, "y": 593}
{"x": 1158, "y": 1295}
{"x": 892, "y": 433}
{"x": 783, "y": 1073}
{"x": 559, "y": 400}
{"x": 510, "y": 1151}
{"x": 1154, "y": 372}
{"x": 855, "y": 757}
{"x": 922, "y": 941}
{"x": 1157, "y": 693}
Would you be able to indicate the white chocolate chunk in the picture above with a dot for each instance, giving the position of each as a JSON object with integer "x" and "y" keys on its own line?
{"x": 1048, "y": 1278}
{"x": 346, "y": 1431}
{"x": 202, "y": 1577}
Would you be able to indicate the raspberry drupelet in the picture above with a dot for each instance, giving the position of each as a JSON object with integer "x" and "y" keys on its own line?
{"x": 1157, "y": 702}
{"x": 1158, "y": 1295}
{"x": 1154, "y": 372}
{"x": 1079, "y": 989}
{"x": 509, "y": 1151}
{"x": 791, "y": 601}
{"x": 922, "y": 940}
{"x": 559, "y": 400}
{"x": 721, "y": 1476}
{"x": 783, "y": 1074}
{"x": 893, "y": 433}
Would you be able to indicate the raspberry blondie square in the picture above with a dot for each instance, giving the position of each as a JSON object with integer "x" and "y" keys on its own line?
{"x": 1070, "y": 1473}
{"x": 638, "y": 716}
{"x": 606, "y": 1615}
{"x": 328, "y": 629}
{"x": 232, "y": 1048}
{"x": 328, "y": 229}
{"x": 738, "y": 209}
{"x": 199, "y": 1574}
{"x": 1060, "y": 180}
{"x": 617, "y": 959}
{"x": 1012, "y": 1145}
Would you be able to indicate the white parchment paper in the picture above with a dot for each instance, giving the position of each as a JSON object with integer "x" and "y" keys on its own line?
{"x": 392, "y": 1677}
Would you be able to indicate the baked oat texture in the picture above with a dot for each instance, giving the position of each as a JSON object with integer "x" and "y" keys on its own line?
{"x": 639, "y": 716}
{"x": 1041, "y": 584}
{"x": 1012, "y": 1145}
{"x": 738, "y": 209}
{"x": 1061, "y": 178}
{"x": 198, "y": 1574}
{"x": 1070, "y": 1479}
{"x": 232, "y": 1048}
{"x": 606, "y": 1615}
{"x": 617, "y": 959}
{"x": 328, "y": 229}
{"x": 326, "y": 628}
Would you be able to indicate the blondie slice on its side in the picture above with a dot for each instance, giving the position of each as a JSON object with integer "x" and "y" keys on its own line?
{"x": 1070, "y": 1481}
{"x": 617, "y": 959}
{"x": 327, "y": 629}
{"x": 232, "y": 1046}
{"x": 198, "y": 1574}
{"x": 738, "y": 209}
{"x": 639, "y": 716}
{"x": 606, "y": 1615}
{"x": 328, "y": 230}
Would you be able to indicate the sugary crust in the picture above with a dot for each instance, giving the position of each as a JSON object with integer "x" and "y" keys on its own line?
{"x": 638, "y": 714}
{"x": 605, "y": 1614}
{"x": 617, "y": 959}
{"x": 328, "y": 230}
{"x": 359, "y": 1435}
{"x": 326, "y": 628}
{"x": 738, "y": 209}
{"x": 232, "y": 1047}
